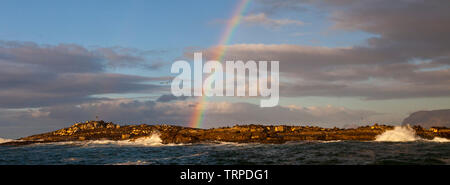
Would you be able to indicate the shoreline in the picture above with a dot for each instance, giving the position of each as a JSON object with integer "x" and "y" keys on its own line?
{"x": 170, "y": 134}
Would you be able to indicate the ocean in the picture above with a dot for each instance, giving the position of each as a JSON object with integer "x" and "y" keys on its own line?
{"x": 399, "y": 146}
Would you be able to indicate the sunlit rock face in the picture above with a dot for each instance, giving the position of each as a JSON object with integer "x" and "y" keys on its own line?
{"x": 427, "y": 119}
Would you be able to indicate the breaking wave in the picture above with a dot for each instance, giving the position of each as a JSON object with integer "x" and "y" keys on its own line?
{"x": 404, "y": 134}
{"x": 398, "y": 134}
{"x": 152, "y": 140}
{"x": 3, "y": 140}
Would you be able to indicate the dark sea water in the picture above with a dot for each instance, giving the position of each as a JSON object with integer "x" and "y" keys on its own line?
{"x": 295, "y": 153}
{"x": 398, "y": 146}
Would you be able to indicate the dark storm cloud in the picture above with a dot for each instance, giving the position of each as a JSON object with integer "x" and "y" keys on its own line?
{"x": 75, "y": 58}
{"x": 407, "y": 58}
{"x": 404, "y": 25}
{"x": 57, "y": 59}
{"x": 33, "y": 75}
{"x": 67, "y": 88}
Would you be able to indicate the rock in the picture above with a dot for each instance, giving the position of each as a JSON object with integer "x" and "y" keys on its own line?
{"x": 95, "y": 130}
{"x": 427, "y": 119}
{"x": 125, "y": 136}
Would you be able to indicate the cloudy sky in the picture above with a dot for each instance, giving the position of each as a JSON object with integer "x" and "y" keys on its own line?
{"x": 342, "y": 62}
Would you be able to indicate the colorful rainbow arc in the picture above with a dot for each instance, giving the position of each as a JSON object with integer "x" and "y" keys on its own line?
{"x": 199, "y": 110}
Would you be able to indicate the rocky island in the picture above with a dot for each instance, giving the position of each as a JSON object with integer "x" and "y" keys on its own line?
{"x": 101, "y": 130}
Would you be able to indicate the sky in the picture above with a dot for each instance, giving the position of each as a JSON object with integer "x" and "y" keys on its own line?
{"x": 343, "y": 63}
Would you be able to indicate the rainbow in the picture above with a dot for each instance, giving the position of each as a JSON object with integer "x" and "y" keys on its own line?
{"x": 200, "y": 108}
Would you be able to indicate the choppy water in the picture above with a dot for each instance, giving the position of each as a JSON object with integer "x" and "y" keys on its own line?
{"x": 149, "y": 151}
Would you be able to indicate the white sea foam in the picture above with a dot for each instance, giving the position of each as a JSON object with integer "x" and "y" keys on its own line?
{"x": 440, "y": 140}
{"x": 331, "y": 141}
{"x": 152, "y": 140}
{"x": 3, "y": 140}
{"x": 404, "y": 134}
{"x": 232, "y": 143}
{"x": 398, "y": 134}
{"x": 138, "y": 162}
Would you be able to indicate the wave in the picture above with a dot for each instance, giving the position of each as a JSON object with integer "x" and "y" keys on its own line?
{"x": 404, "y": 134}
{"x": 220, "y": 143}
{"x": 152, "y": 140}
{"x": 4, "y": 140}
{"x": 398, "y": 134}
{"x": 138, "y": 162}
{"x": 440, "y": 140}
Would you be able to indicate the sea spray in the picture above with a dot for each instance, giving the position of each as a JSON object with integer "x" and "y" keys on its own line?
{"x": 440, "y": 140}
{"x": 398, "y": 134}
{"x": 151, "y": 140}
{"x": 404, "y": 134}
{"x": 3, "y": 140}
